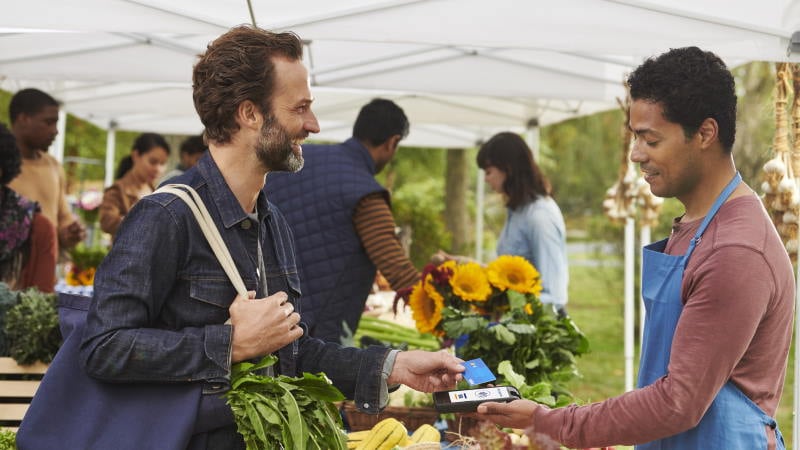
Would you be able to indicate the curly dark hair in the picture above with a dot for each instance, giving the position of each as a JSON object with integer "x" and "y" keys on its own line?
{"x": 10, "y": 157}
{"x": 379, "y": 120}
{"x": 691, "y": 85}
{"x": 524, "y": 180}
{"x": 237, "y": 67}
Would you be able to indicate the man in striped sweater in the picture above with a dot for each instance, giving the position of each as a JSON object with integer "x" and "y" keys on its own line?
{"x": 342, "y": 221}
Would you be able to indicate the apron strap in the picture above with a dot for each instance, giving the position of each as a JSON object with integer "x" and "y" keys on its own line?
{"x": 723, "y": 196}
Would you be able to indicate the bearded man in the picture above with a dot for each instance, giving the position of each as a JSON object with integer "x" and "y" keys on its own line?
{"x": 161, "y": 298}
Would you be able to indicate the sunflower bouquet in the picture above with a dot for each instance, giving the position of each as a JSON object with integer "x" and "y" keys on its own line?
{"x": 493, "y": 312}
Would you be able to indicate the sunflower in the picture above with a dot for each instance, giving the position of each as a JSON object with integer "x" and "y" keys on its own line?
{"x": 430, "y": 289}
{"x": 86, "y": 276}
{"x": 515, "y": 273}
{"x": 469, "y": 282}
{"x": 72, "y": 279}
{"x": 426, "y": 309}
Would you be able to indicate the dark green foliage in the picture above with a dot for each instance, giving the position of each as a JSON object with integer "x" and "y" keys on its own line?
{"x": 285, "y": 412}
{"x": 581, "y": 159}
{"x": 31, "y": 328}
{"x": 539, "y": 347}
{"x": 420, "y": 206}
{"x": 8, "y": 299}
{"x": 5, "y": 99}
{"x": 8, "y": 440}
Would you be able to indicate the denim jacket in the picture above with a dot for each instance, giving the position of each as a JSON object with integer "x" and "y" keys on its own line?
{"x": 161, "y": 298}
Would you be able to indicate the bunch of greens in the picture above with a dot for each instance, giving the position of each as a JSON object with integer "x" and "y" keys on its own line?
{"x": 532, "y": 348}
{"x": 8, "y": 299}
{"x": 8, "y": 440}
{"x": 31, "y": 328}
{"x": 285, "y": 412}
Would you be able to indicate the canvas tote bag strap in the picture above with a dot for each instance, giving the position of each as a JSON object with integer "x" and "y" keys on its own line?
{"x": 195, "y": 203}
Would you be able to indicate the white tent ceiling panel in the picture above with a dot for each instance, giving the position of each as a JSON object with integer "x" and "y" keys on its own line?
{"x": 450, "y": 63}
{"x": 482, "y": 75}
{"x": 590, "y": 26}
{"x": 112, "y": 15}
{"x": 116, "y": 64}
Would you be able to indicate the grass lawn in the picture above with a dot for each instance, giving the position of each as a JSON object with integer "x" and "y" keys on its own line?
{"x": 596, "y": 305}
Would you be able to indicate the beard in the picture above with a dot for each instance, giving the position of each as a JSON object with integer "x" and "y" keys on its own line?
{"x": 274, "y": 148}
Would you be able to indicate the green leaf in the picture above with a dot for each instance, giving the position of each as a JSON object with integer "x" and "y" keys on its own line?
{"x": 318, "y": 387}
{"x": 297, "y": 426}
{"x": 255, "y": 422}
{"x": 521, "y": 328}
{"x": 503, "y": 334}
{"x": 515, "y": 379}
{"x": 516, "y": 300}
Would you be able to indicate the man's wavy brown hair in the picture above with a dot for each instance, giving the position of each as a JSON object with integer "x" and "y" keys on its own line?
{"x": 236, "y": 67}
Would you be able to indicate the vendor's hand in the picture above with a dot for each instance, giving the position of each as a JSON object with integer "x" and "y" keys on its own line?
{"x": 262, "y": 326}
{"x": 514, "y": 414}
{"x": 439, "y": 257}
{"x": 426, "y": 371}
{"x": 71, "y": 234}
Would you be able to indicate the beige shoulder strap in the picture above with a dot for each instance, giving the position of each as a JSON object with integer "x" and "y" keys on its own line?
{"x": 195, "y": 203}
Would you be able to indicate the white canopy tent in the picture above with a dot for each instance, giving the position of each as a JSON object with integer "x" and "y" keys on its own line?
{"x": 462, "y": 69}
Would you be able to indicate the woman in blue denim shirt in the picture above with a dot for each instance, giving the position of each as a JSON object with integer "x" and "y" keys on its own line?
{"x": 534, "y": 228}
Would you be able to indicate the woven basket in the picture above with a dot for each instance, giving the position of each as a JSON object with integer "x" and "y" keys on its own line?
{"x": 460, "y": 426}
{"x": 412, "y": 418}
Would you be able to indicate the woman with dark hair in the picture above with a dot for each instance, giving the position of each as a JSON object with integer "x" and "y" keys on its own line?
{"x": 28, "y": 252}
{"x": 136, "y": 176}
{"x": 534, "y": 228}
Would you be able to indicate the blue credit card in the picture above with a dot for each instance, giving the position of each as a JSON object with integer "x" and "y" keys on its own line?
{"x": 477, "y": 372}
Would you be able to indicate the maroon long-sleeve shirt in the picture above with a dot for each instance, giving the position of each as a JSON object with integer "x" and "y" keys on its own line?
{"x": 738, "y": 293}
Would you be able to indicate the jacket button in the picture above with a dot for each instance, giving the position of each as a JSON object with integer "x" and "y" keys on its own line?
{"x": 246, "y": 224}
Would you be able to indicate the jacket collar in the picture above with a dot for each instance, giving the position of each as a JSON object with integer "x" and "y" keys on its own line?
{"x": 226, "y": 203}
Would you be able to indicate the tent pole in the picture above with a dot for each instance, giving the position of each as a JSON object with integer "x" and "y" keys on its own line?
{"x": 644, "y": 239}
{"x": 479, "y": 200}
{"x": 796, "y": 384}
{"x": 111, "y": 141}
{"x": 532, "y": 137}
{"x": 629, "y": 319}
{"x": 57, "y": 147}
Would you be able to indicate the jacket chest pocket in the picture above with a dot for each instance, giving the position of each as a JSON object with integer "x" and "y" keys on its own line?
{"x": 209, "y": 300}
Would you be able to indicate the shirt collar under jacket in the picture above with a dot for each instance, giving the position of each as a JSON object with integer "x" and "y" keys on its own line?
{"x": 229, "y": 209}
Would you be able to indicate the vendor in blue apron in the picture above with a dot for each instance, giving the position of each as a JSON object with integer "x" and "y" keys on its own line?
{"x": 719, "y": 293}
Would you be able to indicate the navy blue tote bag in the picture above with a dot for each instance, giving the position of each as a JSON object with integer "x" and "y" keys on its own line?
{"x": 74, "y": 411}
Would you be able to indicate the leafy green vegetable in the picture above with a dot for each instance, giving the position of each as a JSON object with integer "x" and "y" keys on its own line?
{"x": 31, "y": 328}
{"x": 8, "y": 440}
{"x": 8, "y": 299}
{"x": 285, "y": 412}
{"x": 534, "y": 351}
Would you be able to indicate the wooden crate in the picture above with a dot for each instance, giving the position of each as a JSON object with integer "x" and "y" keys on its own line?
{"x": 18, "y": 385}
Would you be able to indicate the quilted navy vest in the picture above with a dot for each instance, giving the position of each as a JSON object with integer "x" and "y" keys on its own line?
{"x": 336, "y": 274}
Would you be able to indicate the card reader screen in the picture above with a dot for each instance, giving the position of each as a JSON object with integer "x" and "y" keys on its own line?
{"x": 471, "y": 395}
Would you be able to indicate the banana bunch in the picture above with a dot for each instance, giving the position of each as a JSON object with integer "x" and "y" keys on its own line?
{"x": 391, "y": 433}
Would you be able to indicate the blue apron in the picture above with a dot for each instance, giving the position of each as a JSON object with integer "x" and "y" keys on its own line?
{"x": 733, "y": 421}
